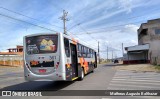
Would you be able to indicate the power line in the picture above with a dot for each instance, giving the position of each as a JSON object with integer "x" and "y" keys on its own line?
{"x": 63, "y": 17}
{"x": 143, "y": 14}
{"x": 109, "y": 27}
{"x": 131, "y": 18}
{"x": 84, "y": 41}
{"x": 82, "y": 29}
{"x": 26, "y": 22}
{"x": 33, "y": 24}
{"x": 27, "y": 16}
{"x": 73, "y": 26}
{"x": 87, "y": 32}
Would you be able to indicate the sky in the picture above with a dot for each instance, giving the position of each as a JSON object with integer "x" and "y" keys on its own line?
{"x": 111, "y": 22}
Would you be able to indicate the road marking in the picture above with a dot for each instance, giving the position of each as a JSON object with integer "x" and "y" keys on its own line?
{"x": 125, "y": 80}
{"x": 132, "y": 86}
{"x": 136, "y": 83}
{"x": 137, "y": 76}
{"x": 136, "y": 80}
{"x": 145, "y": 78}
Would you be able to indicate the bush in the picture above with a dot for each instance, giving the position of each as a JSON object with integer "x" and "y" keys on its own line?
{"x": 157, "y": 66}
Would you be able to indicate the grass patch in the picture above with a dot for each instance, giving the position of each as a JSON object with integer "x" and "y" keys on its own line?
{"x": 157, "y": 67}
{"x": 104, "y": 62}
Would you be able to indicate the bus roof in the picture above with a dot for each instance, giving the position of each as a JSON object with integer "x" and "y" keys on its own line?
{"x": 36, "y": 34}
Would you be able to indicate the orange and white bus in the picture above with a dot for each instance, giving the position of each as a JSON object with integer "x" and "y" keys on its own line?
{"x": 56, "y": 57}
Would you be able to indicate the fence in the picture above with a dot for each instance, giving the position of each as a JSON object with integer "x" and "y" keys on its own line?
{"x": 15, "y": 60}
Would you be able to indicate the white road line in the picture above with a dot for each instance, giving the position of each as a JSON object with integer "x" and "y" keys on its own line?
{"x": 139, "y": 76}
{"x": 136, "y": 83}
{"x": 138, "y": 80}
{"x": 106, "y": 98}
{"x": 125, "y": 72}
{"x": 147, "y": 78}
{"x": 132, "y": 86}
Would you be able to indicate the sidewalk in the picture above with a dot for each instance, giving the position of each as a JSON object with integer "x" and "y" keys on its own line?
{"x": 137, "y": 68}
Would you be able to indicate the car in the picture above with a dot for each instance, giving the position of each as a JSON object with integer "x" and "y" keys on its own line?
{"x": 116, "y": 61}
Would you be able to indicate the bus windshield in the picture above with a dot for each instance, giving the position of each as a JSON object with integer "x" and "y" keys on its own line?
{"x": 42, "y": 44}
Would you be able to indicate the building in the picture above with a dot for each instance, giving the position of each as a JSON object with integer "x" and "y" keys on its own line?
{"x": 14, "y": 57}
{"x": 17, "y": 49}
{"x": 148, "y": 48}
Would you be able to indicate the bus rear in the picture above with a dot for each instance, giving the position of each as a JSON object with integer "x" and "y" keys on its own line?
{"x": 42, "y": 58}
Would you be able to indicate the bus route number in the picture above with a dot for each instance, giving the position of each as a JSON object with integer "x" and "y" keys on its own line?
{"x": 52, "y": 57}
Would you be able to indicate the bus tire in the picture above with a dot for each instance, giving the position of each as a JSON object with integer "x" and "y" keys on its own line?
{"x": 82, "y": 75}
{"x": 92, "y": 71}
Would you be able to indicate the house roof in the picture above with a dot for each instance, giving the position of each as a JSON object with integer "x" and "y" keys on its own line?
{"x": 138, "y": 47}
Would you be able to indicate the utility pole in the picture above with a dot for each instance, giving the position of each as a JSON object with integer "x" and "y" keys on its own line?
{"x": 64, "y": 20}
{"x": 98, "y": 53}
{"x": 122, "y": 50}
{"x": 112, "y": 54}
{"x": 107, "y": 53}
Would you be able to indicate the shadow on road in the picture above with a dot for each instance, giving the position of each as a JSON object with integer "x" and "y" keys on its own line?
{"x": 39, "y": 85}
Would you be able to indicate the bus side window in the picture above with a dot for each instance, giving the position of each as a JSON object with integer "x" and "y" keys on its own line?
{"x": 82, "y": 51}
{"x": 85, "y": 52}
{"x": 66, "y": 46}
{"x": 91, "y": 53}
{"x": 79, "y": 50}
{"x": 88, "y": 54}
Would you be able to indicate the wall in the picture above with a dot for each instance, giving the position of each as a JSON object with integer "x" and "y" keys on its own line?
{"x": 153, "y": 40}
{"x": 154, "y": 52}
{"x": 15, "y": 60}
{"x": 134, "y": 58}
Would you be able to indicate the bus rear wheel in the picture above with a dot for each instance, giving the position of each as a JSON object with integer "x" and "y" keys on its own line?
{"x": 82, "y": 75}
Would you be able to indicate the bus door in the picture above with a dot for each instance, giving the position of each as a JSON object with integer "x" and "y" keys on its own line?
{"x": 74, "y": 61}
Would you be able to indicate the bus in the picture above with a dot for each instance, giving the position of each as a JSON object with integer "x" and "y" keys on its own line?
{"x": 56, "y": 57}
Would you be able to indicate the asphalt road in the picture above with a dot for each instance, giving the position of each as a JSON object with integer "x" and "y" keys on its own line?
{"x": 99, "y": 80}
{"x": 105, "y": 77}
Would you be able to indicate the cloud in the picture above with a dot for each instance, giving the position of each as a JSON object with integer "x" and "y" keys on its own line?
{"x": 126, "y": 4}
{"x": 92, "y": 15}
{"x": 131, "y": 28}
{"x": 134, "y": 42}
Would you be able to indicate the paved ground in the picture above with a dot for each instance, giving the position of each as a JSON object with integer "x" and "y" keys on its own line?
{"x": 130, "y": 80}
{"x": 93, "y": 81}
{"x": 105, "y": 77}
{"x": 10, "y": 76}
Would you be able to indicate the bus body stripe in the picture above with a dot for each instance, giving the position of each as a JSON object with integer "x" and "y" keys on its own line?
{"x": 74, "y": 78}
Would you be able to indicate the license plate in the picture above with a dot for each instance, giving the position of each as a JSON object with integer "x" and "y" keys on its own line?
{"x": 42, "y": 70}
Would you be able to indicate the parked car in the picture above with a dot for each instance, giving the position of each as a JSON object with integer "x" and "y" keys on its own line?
{"x": 116, "y": 61}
